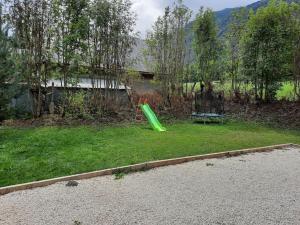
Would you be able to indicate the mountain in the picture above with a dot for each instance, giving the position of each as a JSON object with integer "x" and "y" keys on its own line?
{"x": 223, "y": 16}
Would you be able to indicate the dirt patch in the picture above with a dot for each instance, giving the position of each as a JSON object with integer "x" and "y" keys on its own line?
{"x": 283, "y": 113}
{"x": 57, "y": 120}
{"x": 280, "y": 114}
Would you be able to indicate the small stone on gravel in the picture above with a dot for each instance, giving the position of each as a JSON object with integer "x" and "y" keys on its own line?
{"x": 72, "y": 183}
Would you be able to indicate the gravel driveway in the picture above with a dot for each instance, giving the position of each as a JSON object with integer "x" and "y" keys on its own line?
{"x": 260, "y": 189}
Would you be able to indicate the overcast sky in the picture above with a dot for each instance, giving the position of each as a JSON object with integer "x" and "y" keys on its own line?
{"x": 149, "y": 10}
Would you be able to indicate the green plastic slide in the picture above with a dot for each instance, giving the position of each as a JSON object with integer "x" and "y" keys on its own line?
{"x": 152, "y": 118}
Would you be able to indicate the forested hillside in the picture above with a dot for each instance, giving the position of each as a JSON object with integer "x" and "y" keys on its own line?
{"x": 223, "y": 16}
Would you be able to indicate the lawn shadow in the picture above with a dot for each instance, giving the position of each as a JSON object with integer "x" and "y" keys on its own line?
{"x": 147, "y": 128}
{"x": 208, "y": 122}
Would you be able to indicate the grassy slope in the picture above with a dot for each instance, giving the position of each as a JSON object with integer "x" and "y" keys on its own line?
{"x": 39, "y": 153}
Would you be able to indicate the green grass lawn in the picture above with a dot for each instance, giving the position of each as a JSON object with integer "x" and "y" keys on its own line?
{"x": 31, "y": 154}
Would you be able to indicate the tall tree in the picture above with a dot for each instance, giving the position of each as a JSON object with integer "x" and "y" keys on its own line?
{"x": 70, "y": 41}
{"x": 9, "y": 67}
{"x": 206, "y": 45}
{"x": 268, "y": 48}
{"x": 111, "y": 38}
{"x": 167, "y": 47}
{"x": 296, "y": 63}
{"x": 181, "y": 17}
{"x": 234, "y": 35}
{"x": 31, "y": 23}
{"x": 158, "y": 42}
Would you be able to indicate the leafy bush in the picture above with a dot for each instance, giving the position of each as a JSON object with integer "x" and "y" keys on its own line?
{"x": 76, "y": 104}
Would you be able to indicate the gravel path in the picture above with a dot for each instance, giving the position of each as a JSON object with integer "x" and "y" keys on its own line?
{"x": 260, "y": 189}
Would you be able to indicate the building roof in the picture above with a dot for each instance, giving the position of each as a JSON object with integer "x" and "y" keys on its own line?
{"x": 87, "y": 83}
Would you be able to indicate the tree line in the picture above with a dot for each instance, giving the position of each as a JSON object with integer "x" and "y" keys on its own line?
{"x": 259, "y": 48}
{"x": 66, "y": 39}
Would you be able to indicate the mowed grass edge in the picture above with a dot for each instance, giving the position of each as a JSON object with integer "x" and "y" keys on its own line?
{"x": 31, "y": 154}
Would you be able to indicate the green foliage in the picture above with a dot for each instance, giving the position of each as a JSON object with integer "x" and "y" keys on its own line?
{"x": 268, "y": 47}
{"x": 206, "y": 45}
{"x": 112, "y": 35}
{"x": 70, "y": 36}
{"x": 130, "y": 76}
{"x": 167, "y": 48}
{"x": 5, "y": 66}
{"x": 296, "y": 52}
{"x": 9, "y": 67}
{"x": 234, "y": 34}
{"x": 286, "y": 92}
{"x": 69, "y": 39}
{"x": 119, "y": 176}
{"x": 77, "y": 104}
{"x": 39, "y": 153}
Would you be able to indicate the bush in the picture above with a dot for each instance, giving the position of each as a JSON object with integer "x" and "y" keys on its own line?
{"x": 76, "y": 104}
